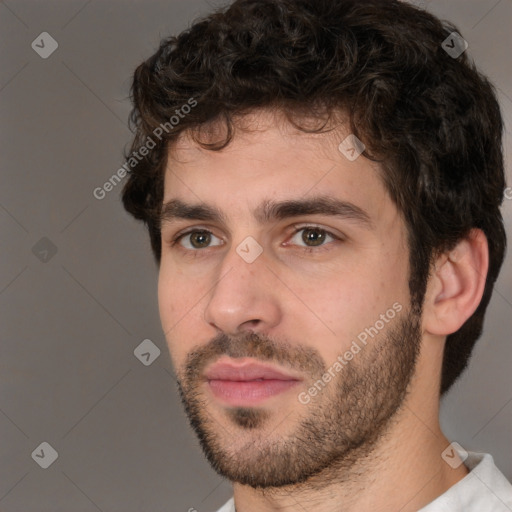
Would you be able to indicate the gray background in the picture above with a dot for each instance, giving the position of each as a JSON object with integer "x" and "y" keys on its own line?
{"x": 70, "y": 321}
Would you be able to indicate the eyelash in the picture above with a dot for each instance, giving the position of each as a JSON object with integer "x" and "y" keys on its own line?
{"x": 297, "y": 229}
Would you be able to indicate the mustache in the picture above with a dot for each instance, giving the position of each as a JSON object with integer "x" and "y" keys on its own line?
{"x": 258, "y": 346}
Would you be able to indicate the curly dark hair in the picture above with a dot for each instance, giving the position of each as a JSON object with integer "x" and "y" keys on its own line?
{"x": 430, "y": 119}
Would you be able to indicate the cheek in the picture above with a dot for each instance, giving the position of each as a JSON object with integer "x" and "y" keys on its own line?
{"x": 328, "y": 311}
{"x": 165, "y": 300}
{"x": 340, "y": 306}
{"x": 177, "y": 293}
{"x": 175, "y": 304}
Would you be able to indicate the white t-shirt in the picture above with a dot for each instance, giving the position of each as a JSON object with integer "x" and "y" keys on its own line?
{"x": 483, "y": 489}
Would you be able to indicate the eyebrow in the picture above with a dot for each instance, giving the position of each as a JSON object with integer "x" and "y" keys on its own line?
{"x": 269, "y": 211}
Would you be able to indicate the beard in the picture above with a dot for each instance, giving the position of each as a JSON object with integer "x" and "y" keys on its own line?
{"x": 338, "y": 428}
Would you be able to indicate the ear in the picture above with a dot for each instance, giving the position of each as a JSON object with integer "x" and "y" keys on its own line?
{"x": 456, "y": 285}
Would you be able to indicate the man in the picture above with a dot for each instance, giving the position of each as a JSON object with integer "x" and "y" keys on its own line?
{"x": 321, "y": 182}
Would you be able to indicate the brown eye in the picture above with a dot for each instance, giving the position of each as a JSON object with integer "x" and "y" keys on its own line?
{"x": 200, "y": 239}
{"x": 313, "y": 236}
{"x": 196, "y": 239}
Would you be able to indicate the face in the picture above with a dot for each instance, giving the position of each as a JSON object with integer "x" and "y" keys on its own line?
{"x": 283, "y": 295}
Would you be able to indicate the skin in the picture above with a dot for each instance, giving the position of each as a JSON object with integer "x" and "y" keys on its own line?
{"x": 320, "y": 298}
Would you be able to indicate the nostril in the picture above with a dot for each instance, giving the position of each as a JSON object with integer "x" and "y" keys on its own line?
{"x": 250, "y": 324}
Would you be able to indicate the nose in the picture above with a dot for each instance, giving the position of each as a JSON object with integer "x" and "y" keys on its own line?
{"x": 244, "y": 296}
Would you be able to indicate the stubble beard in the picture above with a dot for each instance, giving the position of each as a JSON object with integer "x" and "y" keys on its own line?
{"x": 337, "y": 429}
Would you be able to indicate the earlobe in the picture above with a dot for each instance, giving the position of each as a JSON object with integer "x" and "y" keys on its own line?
{"x": 456, "y": 285}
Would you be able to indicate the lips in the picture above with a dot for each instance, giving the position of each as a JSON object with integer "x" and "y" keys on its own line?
{"x": 247, "y": 382}
{"x": 244, "y": 371}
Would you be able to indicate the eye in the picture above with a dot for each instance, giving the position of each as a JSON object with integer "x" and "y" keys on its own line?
{"x": 196, "y": 239}
{"x": 312, "y": 236}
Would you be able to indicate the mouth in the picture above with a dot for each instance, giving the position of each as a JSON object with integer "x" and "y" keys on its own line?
{"x": 245, "y": 382}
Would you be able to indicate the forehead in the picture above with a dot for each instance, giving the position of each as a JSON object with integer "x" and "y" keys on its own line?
{"x": 260, "y": 130}
{"x": 270, "y": 159}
